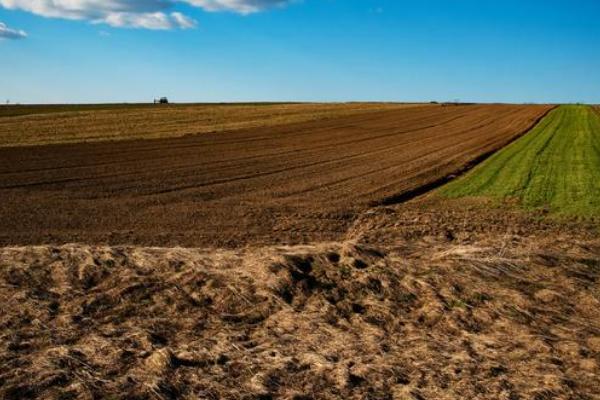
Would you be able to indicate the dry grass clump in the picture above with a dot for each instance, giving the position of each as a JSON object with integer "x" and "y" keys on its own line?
{"x": 94, "y": 124}
{"x": 505, "y": 318}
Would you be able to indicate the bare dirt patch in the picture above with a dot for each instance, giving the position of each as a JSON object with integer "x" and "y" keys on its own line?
{"x": 463, "y": 220}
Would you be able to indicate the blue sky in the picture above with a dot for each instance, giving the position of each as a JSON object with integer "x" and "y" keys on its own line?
{"x": 304, "y": 50}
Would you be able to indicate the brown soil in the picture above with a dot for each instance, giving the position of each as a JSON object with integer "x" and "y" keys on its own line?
{"x": 296, "y": 183}
{"x": 53, "y": 124}
{"x": 464, "y": 220}
{"x": 504, "y": 317}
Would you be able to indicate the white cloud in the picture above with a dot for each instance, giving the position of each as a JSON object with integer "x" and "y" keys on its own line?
{"x": 183, "y": 21}
{"x": 8, "y": 33}
{"x": 240, "y": 6}
{"x": 149, "y": 14}
{"x": 156, "y": 20}
{"x": 85, "y": 9}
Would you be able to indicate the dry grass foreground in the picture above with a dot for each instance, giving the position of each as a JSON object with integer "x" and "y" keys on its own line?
{"x": 38, "y": 125}
{"x": 499, "y": 318}
{"x": 288, "y": 184}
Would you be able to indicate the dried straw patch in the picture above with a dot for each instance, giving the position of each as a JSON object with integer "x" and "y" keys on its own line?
{"x": 505, "y": 318}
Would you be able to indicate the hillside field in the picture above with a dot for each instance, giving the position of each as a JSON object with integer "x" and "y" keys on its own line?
{"x": 293, "y": 183}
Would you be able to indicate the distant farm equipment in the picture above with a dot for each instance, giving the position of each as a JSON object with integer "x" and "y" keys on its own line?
{"x": 162, "y": 100}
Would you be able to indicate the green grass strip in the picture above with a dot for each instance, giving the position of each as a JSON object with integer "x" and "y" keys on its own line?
{"x": 555, "y": 166}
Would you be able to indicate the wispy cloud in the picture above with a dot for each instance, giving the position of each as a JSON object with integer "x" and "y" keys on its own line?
{"x": 156, "y": 20}
{"x": 8, "y": 33}
{"x": 239, "y": 6}
{"x": 148, "y": 14}
{"x": 183, "y": 21}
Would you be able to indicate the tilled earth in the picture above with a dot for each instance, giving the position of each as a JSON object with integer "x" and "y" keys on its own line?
{"x": 290, "y": 184}
{"x": 502, "y": 317}
{"x": 464, "y": 220}
{"x": 77, "y": 123}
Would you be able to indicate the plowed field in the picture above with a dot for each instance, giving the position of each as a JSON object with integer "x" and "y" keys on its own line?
{"x": 293, "y": 183}
{"x": 55, "y": 124}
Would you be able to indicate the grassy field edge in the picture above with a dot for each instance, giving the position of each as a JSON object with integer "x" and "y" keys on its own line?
{"x": 554, "y": 167}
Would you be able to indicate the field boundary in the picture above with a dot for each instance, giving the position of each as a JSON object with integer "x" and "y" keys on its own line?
{"x": 422, "y": 190}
